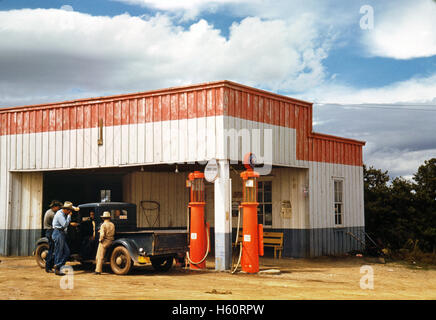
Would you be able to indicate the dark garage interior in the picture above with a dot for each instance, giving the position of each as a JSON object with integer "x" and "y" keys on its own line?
{"x": 82, "y": 186}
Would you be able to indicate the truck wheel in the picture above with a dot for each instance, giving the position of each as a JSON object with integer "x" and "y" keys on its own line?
{"x": 41, "y": 253}
{"x": 121, "y": 262}
{"x": 162, "y": 264}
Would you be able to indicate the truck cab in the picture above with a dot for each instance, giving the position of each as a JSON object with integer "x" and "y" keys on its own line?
{"x": 131, "y": 246}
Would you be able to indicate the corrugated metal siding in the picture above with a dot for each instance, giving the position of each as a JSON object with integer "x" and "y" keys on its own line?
{"x": 24, "y": 224}
{"x": 325, "y": 234}
{"x": 150, "y": 129}
{"x": 321, "y": 176}
{"x": 155, "y": 127}
{"x": 167, "y": 188}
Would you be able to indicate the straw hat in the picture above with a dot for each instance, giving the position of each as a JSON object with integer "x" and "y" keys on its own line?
{"x": 69, "y": 205}
{"x": 106, "y": 215}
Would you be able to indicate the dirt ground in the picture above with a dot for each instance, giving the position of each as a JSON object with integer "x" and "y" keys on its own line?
{"x": 320, "y": 278}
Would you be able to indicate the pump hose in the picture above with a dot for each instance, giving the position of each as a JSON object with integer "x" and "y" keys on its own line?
{"x": 208, "y": 244}
{"x": 207, "y": 251}
{"x": 236, "y": 241}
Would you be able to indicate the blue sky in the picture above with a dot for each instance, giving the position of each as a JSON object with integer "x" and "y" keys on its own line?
{"x": 313, "y": 50}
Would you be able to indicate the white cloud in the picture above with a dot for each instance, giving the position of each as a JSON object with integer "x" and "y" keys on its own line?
{"x": 52, "y": 52}
{"x": 398, "y": 138}
{"x": 401, "y": 162}
{"x": 414, "y": 90}
{"x": 404, "y": 30}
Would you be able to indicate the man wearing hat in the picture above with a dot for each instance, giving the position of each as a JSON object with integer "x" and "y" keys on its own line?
{"x": 107, "y": 233}
{"x": 61, "y": 221}
{"x": 48, "y": 227}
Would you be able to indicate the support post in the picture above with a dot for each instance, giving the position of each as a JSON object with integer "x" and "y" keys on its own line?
{"x": 223, "y": 221}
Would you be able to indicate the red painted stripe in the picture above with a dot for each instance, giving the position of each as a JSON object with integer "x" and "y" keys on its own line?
{"x": 109, "y": 114}
{"x": 4, "y": 124}
{"x": 58, "y": 119}
{"x": 149, "y": 109}
{"x": 261, "y": 118}
{"x": 238, "y": 104}
{"x": 231, "y": 110}
{"x": 267, "y": 111}
{"x": 26, "y": 124}
{"x": 166, "y": 108}
{"x": 141, "y": 110}
{"x": 19, "y": 123}
{"x": 174, "y": 107}
{"x": 45, "y": 120}
{"x": 244, "y": 105}
{"x": 101, "y": 112}
{"x": 249, "y": 109}
{"x": 196, "y": 101}
{"x": 125, "y": 112}
{"x": 219, "y": 101}
{"x": 210, "y": 103}
{"x": 255, "y": 100}
{"x": 192, "y": 110}
{"x": 183, "y": 114}
{"x": 133, "y": 111}
{"x": 65, "y": 119}
{"x": 73, "y": 118}
{"x": 201, "y": 103}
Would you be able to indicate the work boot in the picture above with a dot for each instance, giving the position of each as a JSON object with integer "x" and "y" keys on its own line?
{"x": 58, "y": 272}
{"x": 97, "y": 273}
{"x": 49, "y": 270}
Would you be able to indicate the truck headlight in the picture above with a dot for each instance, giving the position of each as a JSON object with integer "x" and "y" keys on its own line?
{"x": 141, "y": 251}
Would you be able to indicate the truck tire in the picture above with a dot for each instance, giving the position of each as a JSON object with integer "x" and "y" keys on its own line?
{"x": 121, "y": 262}
{"x": 40, "y": 254}
{"x": 162, "y": 264}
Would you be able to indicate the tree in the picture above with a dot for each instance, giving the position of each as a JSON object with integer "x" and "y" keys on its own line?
{"x": 401, "y": 210}
{"x": 425, "y": 179}
{"x": 378, "y": 211}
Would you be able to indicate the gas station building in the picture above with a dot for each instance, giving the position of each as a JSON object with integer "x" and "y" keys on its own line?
{"x": 142, "y": 147}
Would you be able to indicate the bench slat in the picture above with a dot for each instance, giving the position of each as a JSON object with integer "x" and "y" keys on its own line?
{"x": 270, "y": 239}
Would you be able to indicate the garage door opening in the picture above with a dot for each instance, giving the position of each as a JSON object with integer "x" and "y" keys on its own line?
{"x": 81, "y": 187}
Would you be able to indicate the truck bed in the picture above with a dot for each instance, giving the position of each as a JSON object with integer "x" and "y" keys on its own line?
{"x": 157, "y": 242}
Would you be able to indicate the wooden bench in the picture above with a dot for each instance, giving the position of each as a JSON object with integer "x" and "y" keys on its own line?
{"x": 271, "y": 239}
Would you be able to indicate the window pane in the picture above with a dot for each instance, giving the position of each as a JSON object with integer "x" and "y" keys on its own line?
{"x": 267, "y": 186}
{"x": 267, "y": 197}
{"x": 260, "y": 185}
{"x": 268, "y": 219}
{"x": 338, "y": 191}
{"x": 259, "y": 196}
{"x": 268, "y": 214}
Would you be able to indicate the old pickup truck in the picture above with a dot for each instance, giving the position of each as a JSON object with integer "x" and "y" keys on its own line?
{"x": 132, "y": 245}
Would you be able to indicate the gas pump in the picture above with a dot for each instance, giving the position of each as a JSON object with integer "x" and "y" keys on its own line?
{"x": 199, "y": 243}
{"x": 252, "y": 232}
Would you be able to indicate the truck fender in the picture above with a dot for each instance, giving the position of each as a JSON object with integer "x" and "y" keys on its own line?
{"x": 40, "y": 240}
{"x": 126, "y": 243}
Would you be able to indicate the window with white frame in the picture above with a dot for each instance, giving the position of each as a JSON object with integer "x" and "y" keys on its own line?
{"x": 339, "y": 201}
{"x": 264, "y": 198}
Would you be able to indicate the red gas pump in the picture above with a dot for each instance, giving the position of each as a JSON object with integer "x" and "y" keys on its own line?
{"x": 199, "y": 243}
{"x": 252, "y": 232}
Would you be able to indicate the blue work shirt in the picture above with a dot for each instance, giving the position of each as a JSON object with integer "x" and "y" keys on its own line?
{"x": 61, "y": 220}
